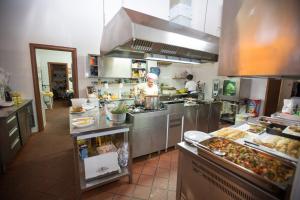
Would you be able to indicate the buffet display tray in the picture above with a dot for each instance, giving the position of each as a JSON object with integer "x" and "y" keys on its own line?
{"x": 279, "y": 189}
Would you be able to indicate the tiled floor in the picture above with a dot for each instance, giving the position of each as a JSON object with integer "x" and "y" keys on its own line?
{"x": 44, "y": 170}
{"x": 153, "y": 178}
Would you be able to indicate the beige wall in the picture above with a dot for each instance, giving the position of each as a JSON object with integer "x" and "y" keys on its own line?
{"x": 70, "y": 23}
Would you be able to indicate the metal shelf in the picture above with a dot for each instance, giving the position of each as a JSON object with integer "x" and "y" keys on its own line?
{"x": 88, "y": 185}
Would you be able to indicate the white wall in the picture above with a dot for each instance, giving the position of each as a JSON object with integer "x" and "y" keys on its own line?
{"x": 70, "y": 23}
{"x": 156, "y": 8}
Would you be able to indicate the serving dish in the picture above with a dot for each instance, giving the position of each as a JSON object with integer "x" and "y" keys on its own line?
{"x": 292, "y": 132}
{"x": 284, "y": 145}
{"x": 267, "y": 171}
{"x": 230, "y": 133}
{"x": 83, "y": 122}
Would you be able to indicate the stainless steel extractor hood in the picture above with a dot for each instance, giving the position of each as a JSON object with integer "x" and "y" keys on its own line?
{"x": 132, "y": 34}
{"x": 260, "y": 38}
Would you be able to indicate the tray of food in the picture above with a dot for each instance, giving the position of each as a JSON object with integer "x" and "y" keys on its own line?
{"x": 292, "y": 132}
{"x": 230, "y": 133}
{"x": 259, "y": 167}
{"x": 284, "y": 146}
{"x": 252, "y": 128}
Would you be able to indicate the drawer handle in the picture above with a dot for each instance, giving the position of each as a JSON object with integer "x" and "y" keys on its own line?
{"x": 11, "y": 119}
{"x": 13, "y": 131}
{"x": 14, "y": 143}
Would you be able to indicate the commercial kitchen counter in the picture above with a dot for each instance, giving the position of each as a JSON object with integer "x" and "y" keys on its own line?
{"x": 202, "y": 116}
{"x": 201, "y": 178}
{"x": 95, "y": 168}
{"x": 101, "y": 123}
{"x": 148, "y": 132}
{"x": 153, "y": 131}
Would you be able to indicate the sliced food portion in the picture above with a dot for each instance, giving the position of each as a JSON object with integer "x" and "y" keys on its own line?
{"x": 284, "y": 145}
{"x": 230, "y": 133}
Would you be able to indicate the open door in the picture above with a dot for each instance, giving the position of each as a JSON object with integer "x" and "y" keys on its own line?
{"x": 272, "y": 96}
{"x": 58, "y": 79}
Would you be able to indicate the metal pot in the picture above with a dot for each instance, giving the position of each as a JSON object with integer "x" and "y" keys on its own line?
{"x": 151, "y": 102}
{"x": 138, "y": 101}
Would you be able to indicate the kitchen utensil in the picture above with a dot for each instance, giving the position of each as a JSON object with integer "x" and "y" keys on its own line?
{"x": 219, "y": 152}
{"x": 151, "y": 102}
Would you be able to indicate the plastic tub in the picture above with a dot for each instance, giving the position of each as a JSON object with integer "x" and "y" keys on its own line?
{"x": 78, "y": 102}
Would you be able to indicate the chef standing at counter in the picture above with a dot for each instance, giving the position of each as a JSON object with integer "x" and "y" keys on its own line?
{"x": 148, "y": 88}
{"x": 190, "y": 85}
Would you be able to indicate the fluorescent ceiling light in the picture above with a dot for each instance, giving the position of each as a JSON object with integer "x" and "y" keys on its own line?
{"x": 175, "y": 59}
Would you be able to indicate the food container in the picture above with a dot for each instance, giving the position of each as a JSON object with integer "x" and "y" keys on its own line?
{"x": 244, "y": 170}
{"x": 118, "y": 118}
{"x": 77, "y": 103}
{"x": 275, "y": 129}
{"x": 151, "y": 102}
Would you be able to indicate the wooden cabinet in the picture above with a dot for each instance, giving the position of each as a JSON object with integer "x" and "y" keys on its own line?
{"x": 24, "y": 123}
{"x": 213, "y": 17}
{"x": 15, "y": 125}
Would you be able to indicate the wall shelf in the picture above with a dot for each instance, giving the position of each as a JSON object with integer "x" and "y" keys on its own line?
{"x": 93, "y": 63}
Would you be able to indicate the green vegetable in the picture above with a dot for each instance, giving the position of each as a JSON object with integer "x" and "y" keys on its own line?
{"x": 120, "y": 109}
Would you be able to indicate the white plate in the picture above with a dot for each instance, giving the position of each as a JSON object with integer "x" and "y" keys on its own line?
{"x": 88, "y": 106}
{"x": 6, "y": 104}
{"x": 78, "y": 123}
{"x": 82, "y": 118}
{"x": 196, "y": 136}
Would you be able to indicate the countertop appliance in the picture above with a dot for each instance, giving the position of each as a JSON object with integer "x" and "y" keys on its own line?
{"x": 260, "y": 38}
{"x": 234, "y": 89}
{"x": 133, "y": 34}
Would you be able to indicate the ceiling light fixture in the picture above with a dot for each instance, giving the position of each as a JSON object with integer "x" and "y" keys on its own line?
{"x": 175, "y": 59}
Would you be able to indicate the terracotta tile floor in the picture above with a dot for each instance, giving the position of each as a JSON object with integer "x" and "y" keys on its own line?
{"x": 153, "y": 178}
{"x": 44, "y": 170}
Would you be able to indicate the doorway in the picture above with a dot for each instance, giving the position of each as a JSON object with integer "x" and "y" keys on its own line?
{"x": 55, "y": 79}
{"x": 58, "y": 80}
{"x": 272, "y": 96}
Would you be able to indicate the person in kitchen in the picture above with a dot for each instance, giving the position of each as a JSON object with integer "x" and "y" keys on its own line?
{"x": 190, "y": 85}
{"x": 148, "y": 88}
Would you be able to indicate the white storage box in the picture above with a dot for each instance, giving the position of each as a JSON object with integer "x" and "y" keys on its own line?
{"x": 101, "y": 165}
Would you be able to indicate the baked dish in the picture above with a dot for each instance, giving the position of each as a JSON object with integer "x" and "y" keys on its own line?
{"x": 285, "y": 145}
{"x": 230, "y": 133}
{"x": 260, "y": 163}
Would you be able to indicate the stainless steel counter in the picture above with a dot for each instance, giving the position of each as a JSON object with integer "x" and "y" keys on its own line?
{"x": 101, "y": 123}
{"x": 148, "y": 132}
{"x": 203, "y": 116}
{"x": 195, "y": 170}
{"x": 101, "y": 127}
